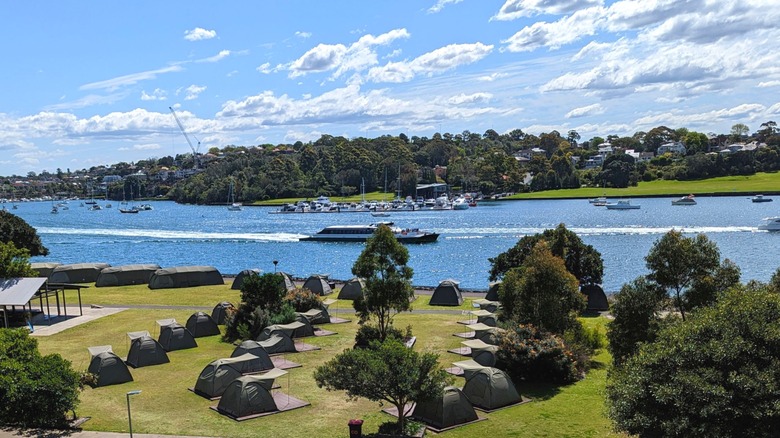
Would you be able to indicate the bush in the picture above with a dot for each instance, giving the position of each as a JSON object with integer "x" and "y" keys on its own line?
{"x": 285, "y": 315}
{"x": 367, "y": 333}
{"x": 247, "y": 323}
{"x": 391, "y": 428}
{"x": 266, "y": 291}
{"x": 303, "y": 300}
{"x": 527, "y": 353}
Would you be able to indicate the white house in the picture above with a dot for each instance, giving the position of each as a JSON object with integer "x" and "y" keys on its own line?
{"x": 672, "y": 147}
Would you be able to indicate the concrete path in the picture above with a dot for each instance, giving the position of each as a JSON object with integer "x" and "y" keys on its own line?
{"x": 82, "y": 434}
{"x": 57, "y": 324}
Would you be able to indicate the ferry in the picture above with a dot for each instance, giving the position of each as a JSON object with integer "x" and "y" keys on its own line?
{"x": 361, "y": 233}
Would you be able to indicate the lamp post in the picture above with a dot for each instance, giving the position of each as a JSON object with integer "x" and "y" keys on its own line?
{"x": 276, "y": 262}
{"x": 129, "y": 419}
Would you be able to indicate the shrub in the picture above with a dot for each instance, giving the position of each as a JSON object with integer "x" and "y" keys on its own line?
{"x": 527, "y": 353}
{"x": 246, "y": 323}
{"x": 285, "y": 315}
{"x": 368, "y": 333}
{"x": 303, "y": 300}
{"x": 266, "y": 291}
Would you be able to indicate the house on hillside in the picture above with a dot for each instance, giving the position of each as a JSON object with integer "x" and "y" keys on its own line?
{"x": 672, "y": 147}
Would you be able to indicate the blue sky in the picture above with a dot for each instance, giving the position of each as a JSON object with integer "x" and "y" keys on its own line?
{"x": 86, "y": 83}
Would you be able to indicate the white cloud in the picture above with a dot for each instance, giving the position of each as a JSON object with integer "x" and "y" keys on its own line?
{"x": 555, "y": 34}
{"x": 470, "y": 98}
{"x": 303, "y": 35}
{"x": 514, "y": 9}
{"x": 193, "y": 91}
{"x": 264, "y": 68}
{"x": 199, "y": 33}
{"x": 439, "y": 60}
{"x": 323, "y": 57}
{"x": 678, "y": 118}
{"x": 767, "y": 84}
{"x": 583, "y": 111}
{"x": 157, "y": 94}
{"x": 147, "y": 147}
{"x": 218, "y": 57}
{"x": 440, "y": 4}
{"x": 87, "y": 101}
{"x": 131, "y": 79}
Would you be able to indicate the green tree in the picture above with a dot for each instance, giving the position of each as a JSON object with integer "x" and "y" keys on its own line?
{"x": 542, "y": 292}
{"x": 529, "y": 354}
{"x": 14, "y": 262}
{"x": 637, "y": 318}
{"x": 388, "y": 371}
{"x": 15, "y": 229}
{"x": 388, "y": 280}
{"x": 738, "y": 131}
{"x": 714, "y": 375}
{"x": 262, "y": 298}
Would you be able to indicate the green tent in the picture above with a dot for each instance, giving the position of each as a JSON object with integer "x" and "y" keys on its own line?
{"x": 491, "y": 388}
{"x": 44, "y": 269}
{"x": 249, "y": 395}
{"x": 239, "y": 280}
{"x": 306, "y": 329}
{"x": 174, "y": 336}
{"x": 352, "y": 289}
{"x": 125, "y": 275}
{"x": 201, "y": 325}
{"x": 254, "y": 347}
{"x": 185, "y": 276}
{"x": 450, "y": 409}
{"x": 447, "y": 293}
{"x": 289, "y": 284}
{"x": 482, "y": 352}
{"x": 318, "y": 284}
{"x": 485, "y": 317}
{"x": 486, "y": 333}
{"x": 490, "y": 306}
{"x": 492, "y": 293}
{"x": 597, "y": 299}
{"x": 145, "y": 351}
{"x": 109, "y": 369}
{"x": 287, "y": 329}
{"x": 278, "y": 342}
{"x": 77, "y": 273}
{"x": 217, "y": 375}
{"x": 220, "y": 312}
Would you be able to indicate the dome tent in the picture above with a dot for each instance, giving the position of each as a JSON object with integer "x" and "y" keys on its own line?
{"x": 220, "y": 312}
{"x": 217, "y": 375}
{"x": 318, "y": 284}
{"x": 109, "y": 369}
{"x": 278, "y": 342}
{"x": 597, "y": 299}
{"x": 286, "y": 329}
{"x": 447, "y": 293}
{"x": 486, "y": 333}
{"x": 239, "y": 280}
{"x": 481, "y": 352}
{"x": 249, "y": 395}
{"x": 490, "y": 388}
{"x": 450, "y": 409}
{"x": 254, "y": 348}
{"x": 145, "y": 351}
{"x": 289, "y": 284}
{"x": 201, "y": 325}
{"x": 305, "y": 330}
{"x": 174, "y": 336}
{"x": 126, "y": 275}
{"x": 492, "y": 293}
{"x": 44, "y": 269}
{"x": 485, "y": 317}
{"x": 352, "y": 289}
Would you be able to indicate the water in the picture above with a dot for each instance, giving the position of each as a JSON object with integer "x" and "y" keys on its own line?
{"x": 175, "y": 235}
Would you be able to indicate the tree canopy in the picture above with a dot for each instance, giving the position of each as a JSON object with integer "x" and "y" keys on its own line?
{"x": 637, "y": 318}
{"x": 15, "y": 229}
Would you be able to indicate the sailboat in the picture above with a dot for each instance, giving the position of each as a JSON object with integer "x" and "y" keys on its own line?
{"x": 108, "y": 204}
{"x": 232, "y": 204}
{"x": 132, "y": 209}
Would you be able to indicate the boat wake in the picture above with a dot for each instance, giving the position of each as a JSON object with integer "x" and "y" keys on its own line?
{"x": 456, "y": 233}
{"x": 176, "y": 235}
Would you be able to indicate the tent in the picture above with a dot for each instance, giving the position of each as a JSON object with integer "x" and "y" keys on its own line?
{"x": 185, "y": 276}
{"x": 109, "y": 368}
{"x": 447, "y": 293}
{"x": 249, "y": 395}
{"x": 317, "y": 316}
{"x": 486, "y": 333}
{"x": 491, "y": 388}
{"x": 201, "y": 325}
{"x": 44, "y": 269}
{"x": 278, "y": 342}
{"x": 77, "y": 273}
{"x": 485, "y": 317}
{"x": 217, "y": 375}
{"x": 239, "y": 280}
{"x": 288, "y": 282}
{"x": 318, "y": 284}
{"x": 254, "y": 347}
{"x": 287, "y": 329}
{"x": 306, "y": 329}
{"x": 597, "y": 299}
{"x": 450, "y": 409}
{"x": 125, "y": 275}
{"x": 220, "y": 312}
{"x": 490, "y": 306}
{"x": 492, "y": 293}
{"x": 469, "y": 367}
{"x": 482, "y": 352}
{"x": 352, "y": 289}
{"x": 145, "y": 351}
{"x": 175, "y": 337}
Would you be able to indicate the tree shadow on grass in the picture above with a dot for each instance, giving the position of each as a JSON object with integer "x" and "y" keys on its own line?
{"x": 539, "y": 391}
{"x": 40, "y": 433}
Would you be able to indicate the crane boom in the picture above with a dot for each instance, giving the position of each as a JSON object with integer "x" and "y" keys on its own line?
{"x": 184, "y": 131}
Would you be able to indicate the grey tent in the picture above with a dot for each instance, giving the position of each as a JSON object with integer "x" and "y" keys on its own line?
{"x": 185, "y": 276}
{"x": 306, "y": 329}
{"x": 288, "y": 282}
{"x": 176, "y": 337}
{"x": 318, "y": 284}
{"x": 109, "y": 369}
{"x": 287, "y": 329}
{"x": 317, "y": 316}
{"x": 126, "y": 275}
{"x": 145, "y": 351}
{"x": 486, "y": 333}
{"x": 485, "y": 317}
{"x": 44, "y": 269}
{"x": 482, "y": 352}
{"x": 447, "y": 293}
{"x": 239, "y": 280}
{"x": 201, "y": 325}
{"x": 469, "y": 367}
{"x": 249, "y": 395}
{"x": 278, "y": 342}
{"x": 491, "y": 388}
{"x": 450, "y": 409}
{"x": 490, "y": 306}
{"x": 597, "y": 299}
{"x": 254, "y": 347}
{"x": 352, "y": 289}
{"x": 492, "y": 293}
{"x": 77, "y": 273}
{"x": 217, "y": 375}
{"x": 220, "y": 312}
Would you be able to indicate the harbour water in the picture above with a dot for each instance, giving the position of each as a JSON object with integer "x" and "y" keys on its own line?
{"x": 173, "y": 235}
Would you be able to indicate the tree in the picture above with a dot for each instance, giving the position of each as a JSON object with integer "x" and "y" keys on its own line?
{"x": 388, "y": 371}
{"x": 14, "y": 262}
{"x": 541, "y": 292}
{"x": 388, "y": 280}
{"x": 583, "y": 261}
{"x": 637, "y": 318}
{"x": 715, "y": 375}
{"x": 738, "y": 131}
{"x": 15, "y": 229}
{"x": 529, "y": 354}
{"x": 262, "y": 304}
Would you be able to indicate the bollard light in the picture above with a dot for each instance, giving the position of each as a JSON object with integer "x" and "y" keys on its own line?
{"x": 129, "y": 418}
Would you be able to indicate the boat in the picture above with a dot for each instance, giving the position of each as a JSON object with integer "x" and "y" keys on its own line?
{"x": 685, "y": 200}
{"x": 770, "y": 224}
{"x": 360, "y": 233}
{"x": 129, "y": 210}
{"x": 380, "y": 214}
{"x": 460, "y": 203}
{"x": 622, "y": 204}
{"x": 94, "y": 207}
{"x": 599, "y": 202}
{"x": 760, "y": 198}
{"x": 232, "y": 204}
{"x": 145, "y": 207}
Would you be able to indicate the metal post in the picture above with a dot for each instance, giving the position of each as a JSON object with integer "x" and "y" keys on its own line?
{"x": 276, "y": 262}
{"x": 129, "y": 418}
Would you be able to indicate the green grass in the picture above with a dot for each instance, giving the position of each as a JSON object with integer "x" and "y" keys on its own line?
{"x": 165, "y": 406}
{"x": 203, "y": 296}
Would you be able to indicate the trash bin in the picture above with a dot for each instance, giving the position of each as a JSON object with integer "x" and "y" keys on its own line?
{"x": 355, "y": 428}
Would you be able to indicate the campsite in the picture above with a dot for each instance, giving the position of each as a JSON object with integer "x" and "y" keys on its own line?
{"x": 167, "y": 406}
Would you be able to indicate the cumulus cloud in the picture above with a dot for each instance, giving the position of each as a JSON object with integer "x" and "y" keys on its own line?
{"x": 193, "y": 91}
{"x": 199, "y": 33}
{"x": 264, "y": 68}
{"x": 677, "y": 118}
{"x": 514, "y": 9}
{"x": 585, "y": 111}
{"x": 461, "y": 99}
{"x": 555, "y": 34}
{"x": 439, "y": 60}
{"x": 441, "y": 4}
{"x": 157, "y": 94}
{"x": 303, "y": 35}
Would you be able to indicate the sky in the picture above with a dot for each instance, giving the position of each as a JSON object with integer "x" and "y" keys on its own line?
{"x": 87, "y": 83}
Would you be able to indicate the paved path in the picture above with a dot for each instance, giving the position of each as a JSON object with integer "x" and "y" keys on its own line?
{"x": 83, "y": 434}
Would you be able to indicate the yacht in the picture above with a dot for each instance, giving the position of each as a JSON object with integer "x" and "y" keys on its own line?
{"x": 770, "y": 224}
{"x": 622, "y": 204}
{"x": 760, "y": 198}
{"x": 460, "y": 203}
{"x": 685, "y": 200}
{"x": 360, "y": 233}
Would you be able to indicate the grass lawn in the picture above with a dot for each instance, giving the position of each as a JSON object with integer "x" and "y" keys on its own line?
{"x": 165, "y": 406}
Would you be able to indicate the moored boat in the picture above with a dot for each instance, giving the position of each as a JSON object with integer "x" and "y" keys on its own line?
{"x": 361, "y": 233}
{"x": 622, "y": 204}
{"x": 760, "y": 198}
{"x": 685, "y": 200}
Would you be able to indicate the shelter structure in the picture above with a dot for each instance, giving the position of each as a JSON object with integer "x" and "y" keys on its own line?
{"x": 597, "y": 299}
{"x": 77, "y": 273}
{"x": 248, "y": 396}
{"x": 217, "y": 375}
{"x": 450, "y": 409}
{"x": 482, "y": 352}
{"x": 108, "y": 367}
{"x": 485, "y": 317}
{"x": 286, "y": 329}
{"x": 185, "y": 276}
{"x": 174, "y": 336}
{"x": 255, "y": 348}
{"x": 278, "y": 342}
{"x": 44, "y": 269}
{"x": 486, "y": 333}
{"x": 289, "y": 284}
{"x": 490, "y": 306}
{"x": 318, "y": 284}
{"x": 146, "y": 351}
{"x": 18, "y": 292}
{"x": 201, "y": 325}
{"x": 492, "y": 293}
{"x": 305, "y": 329}
{"x": 352, "y": 289}
{"x": 125, "y": 275}
{"x": 490, "y": 389}
{"x": 318, "y": 316}
{"x": 220, "y": 312}
{"x": 239, "y": 280}
{"x": 447, "y": 293}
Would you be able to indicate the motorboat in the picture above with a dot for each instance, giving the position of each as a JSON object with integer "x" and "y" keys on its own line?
{"x": 770, "y": 224}
{"x": 361, "y": 233}
{"x": 622, "y": 204}
{"x": 685, "y": 200}
{"x": 129, "y": 210}
{"x": 460, "y": 203}
{"x": 601, "y": 200}
{"x": 760, "y": 198}
{"x": 380, "y": 214}
{"x": 145, "y": 207}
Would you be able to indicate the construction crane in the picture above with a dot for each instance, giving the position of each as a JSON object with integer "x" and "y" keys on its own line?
{"x": 195, "y": 150}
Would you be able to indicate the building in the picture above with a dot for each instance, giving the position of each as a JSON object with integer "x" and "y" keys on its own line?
{"x": 672, "y": 147}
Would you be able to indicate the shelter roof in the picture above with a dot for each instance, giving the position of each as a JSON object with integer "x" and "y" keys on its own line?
{"x": 18, "y": 291}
